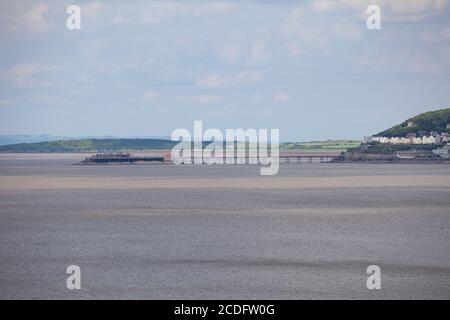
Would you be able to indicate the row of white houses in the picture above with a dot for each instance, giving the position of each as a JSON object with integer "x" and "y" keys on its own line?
{"x": 438, "y": 139}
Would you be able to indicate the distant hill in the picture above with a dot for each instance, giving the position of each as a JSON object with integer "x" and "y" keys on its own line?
{"x": 23, "y": 138}
{"x": 428, "y": 121}
{"x": 130, "y": 144}
{"x": 82, "y": 145}
{"x": 321, "y": 145}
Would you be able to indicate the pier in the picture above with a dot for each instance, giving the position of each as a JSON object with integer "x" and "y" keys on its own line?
{"x": 104, "y": 158}
{"x": 284, "y": 158}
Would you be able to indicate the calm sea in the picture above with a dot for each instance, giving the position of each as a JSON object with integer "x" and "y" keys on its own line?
{"x": 214, "y": 237}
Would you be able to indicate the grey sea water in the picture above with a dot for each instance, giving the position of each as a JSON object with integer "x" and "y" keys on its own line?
{"x": 222, "y": 242}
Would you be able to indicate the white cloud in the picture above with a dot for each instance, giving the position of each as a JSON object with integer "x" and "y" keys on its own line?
{"x": 230, "y": 52}
{"x": 325, "y": 5}
{"x": 212, "y": 80}
{"x": 248, "y": 77}
{"x": 446, "y": 33}
{"x": 259, "y": 52}
{"x": 22, "y": 71}
{"x": 403, "y": 46}
{"x": 118, "y": 20}
{"x": 91, "y": 9}
{"x": 201, "y": 98}
{"x": 436, "y": 36}
{"x": 251, "y": 51}
{"x": 159, "y": 11}
{"x": 306, "y": 32}
{"x": 392, "y": 10}
{"x": 403, "y": 61}
{"x": 281, "y": 97}
{"x": 48, "y": 15}
{"x": 145, "y": 98}
{"x": 4, "y": 103}
{"x": 256, "y": 97}
{"x": 217, "y": 7}
{"x": 148, "y": 96}
{"x": 295, "y": 49}
{"x": 31, "y": 73}
{"x": 243, "y": 78}
{"x": 35, "y": 16}
{"x": 25, "y": 16}
{"x": 294, "y": 22}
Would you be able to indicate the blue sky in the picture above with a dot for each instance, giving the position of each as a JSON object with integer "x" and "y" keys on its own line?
{"x": 140, "y": 68}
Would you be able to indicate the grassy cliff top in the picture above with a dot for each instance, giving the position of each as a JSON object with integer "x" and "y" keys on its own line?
{"x": 90, "y": 145}
{"x": 427, "y": 121}
{"x": 103, "y": 145}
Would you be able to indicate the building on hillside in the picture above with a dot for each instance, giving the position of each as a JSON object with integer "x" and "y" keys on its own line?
{"x": 375, "y": 139}
{"x": 395, "y": 140}
{"x": 434, "y": 133}
{"x": 370, "y": 139}
{"x": 427, "y": 140}
{"x": 410, "y": 124}
{"x": 404, "y": 140}
{"x": 411, "y": 138}
{"x": 421, "y": 133}
{"x": 448, "y": 126}
{"x": 443, "y": 152}
{"x": 430, "y": 140}
{"x": 417, "y": 140}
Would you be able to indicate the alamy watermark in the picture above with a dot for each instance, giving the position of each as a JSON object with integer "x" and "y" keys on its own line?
{"x": 74, "y": 280}
{"x": 374, "y": 280}
{"x": 237, "y": 146}
{"x": 73, "y": 22}
{"x": 373, "y": 21}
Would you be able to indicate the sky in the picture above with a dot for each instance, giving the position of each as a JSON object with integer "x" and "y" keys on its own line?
{"x": 311, "y": 69}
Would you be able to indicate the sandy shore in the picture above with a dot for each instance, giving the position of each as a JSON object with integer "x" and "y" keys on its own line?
{"x": 61, "y": 182}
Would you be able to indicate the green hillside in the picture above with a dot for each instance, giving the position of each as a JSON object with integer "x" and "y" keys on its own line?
{"x": 428, "y": 121}
{"x": 90, "y": 145}
{"x": 100, "y": 145}
{"x": 321, "y": 145}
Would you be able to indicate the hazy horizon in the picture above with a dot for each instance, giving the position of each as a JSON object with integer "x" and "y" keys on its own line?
{"x": 167, "y": 137}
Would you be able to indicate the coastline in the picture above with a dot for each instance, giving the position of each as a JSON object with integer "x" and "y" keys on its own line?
{"x": 393, "y": 161}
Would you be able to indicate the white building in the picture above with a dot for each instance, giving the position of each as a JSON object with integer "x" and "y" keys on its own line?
{"x": 394, "y": 140}
{"x": 375, "y": 139}
{"x": 417, "y": 140}
{"x": 443, "y": 152}
{"x": 429, "y": 140}
{"x": 410, "y": 139}
{"x": 404, "y": 140}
